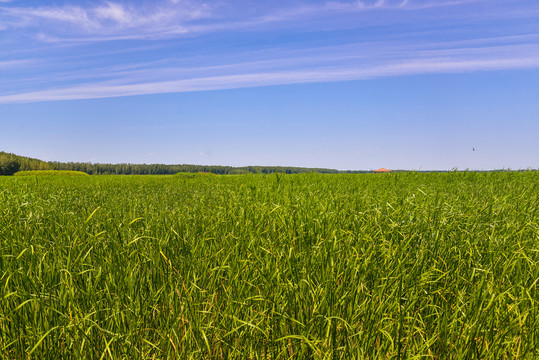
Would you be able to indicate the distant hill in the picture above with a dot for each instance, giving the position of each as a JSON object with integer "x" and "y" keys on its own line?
{"x": 11, "y": 163}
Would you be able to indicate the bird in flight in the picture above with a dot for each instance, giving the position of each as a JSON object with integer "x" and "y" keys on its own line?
{"x": 473, "y": 149}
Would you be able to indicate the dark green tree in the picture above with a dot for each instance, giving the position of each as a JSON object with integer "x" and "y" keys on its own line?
{"x": 9, "y": 167}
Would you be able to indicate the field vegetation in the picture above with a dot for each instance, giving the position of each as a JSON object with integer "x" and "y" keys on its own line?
{"x": 50, "y": 173}
{"x": 310, "y": 266}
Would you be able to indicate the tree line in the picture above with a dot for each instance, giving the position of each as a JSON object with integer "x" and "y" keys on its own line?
{"x": 11, "y": 163}
{"x": 165, "y": 169}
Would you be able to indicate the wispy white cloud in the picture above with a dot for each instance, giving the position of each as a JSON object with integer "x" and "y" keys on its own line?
{"x": 275, "y": 59}
{"x": 68, "y": 75}
{"x": 8, "y": 64}
{"x": 104, "y": 21}
{"x": 113, "y": 11}
{"x": 392, "y": 4}
{"x": 115, "y": 20}
{"x": 298, "y": 70}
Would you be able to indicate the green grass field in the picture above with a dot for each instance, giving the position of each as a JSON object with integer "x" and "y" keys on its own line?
{"x": 368, "y": 266}
{"x": 50, "y": 173}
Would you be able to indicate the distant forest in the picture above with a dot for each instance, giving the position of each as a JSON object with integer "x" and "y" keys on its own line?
{"x": 11, "y": 163}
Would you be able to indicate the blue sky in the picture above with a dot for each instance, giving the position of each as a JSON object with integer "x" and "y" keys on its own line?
{"x": 407, "y": 84}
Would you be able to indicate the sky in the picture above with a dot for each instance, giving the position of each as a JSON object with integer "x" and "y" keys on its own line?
{"x": 341, "y": 84}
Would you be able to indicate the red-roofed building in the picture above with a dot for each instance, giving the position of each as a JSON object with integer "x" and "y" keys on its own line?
{"x": 382, "y": 170}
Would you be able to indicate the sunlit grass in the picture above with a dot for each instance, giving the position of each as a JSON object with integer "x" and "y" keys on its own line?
{"x": 370, "y": 266}
{"x": 50, "y": 172}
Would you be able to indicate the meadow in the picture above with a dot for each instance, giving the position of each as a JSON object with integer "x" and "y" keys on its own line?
{"x": 309, "y": 266}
